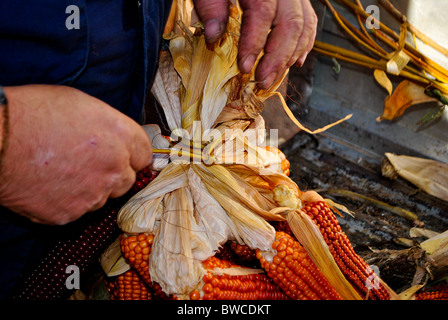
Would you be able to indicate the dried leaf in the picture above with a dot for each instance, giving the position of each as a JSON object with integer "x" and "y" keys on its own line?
{"x": 399, "y": 59}
{"x": 435, "y": 243}
{"x": 335, "y": 207}
{"x": 437, "y": 248}
{"x": 409, "y": 294}
{"x": 421, "y": 232}
{"x": 174, "y": 261}
{"x": 141, "y": 212}
{"x": 383, "y": 80}
{"x": 165, "y": 90}
{"x": 405, "y": 95}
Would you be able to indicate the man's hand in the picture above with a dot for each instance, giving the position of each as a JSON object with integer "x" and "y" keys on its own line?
{"x": 293, "y": 25}
{"x": 67, "y": 153}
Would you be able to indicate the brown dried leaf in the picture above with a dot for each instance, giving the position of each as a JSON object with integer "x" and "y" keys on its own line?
{"x": 405, "y": 95}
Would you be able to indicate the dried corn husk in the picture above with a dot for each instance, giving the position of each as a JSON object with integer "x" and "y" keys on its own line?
{"x": 429, "y": 175}
{"x": 224, "y": 189}
{"x": 112, "y": 261}
{"x": 437, "y": 248}
{"x": 159, "y": 161}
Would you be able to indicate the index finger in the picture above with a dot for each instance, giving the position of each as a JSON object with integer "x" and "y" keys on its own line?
{"x": 141, "y": 150}
{"x": 258, "y": 16}
{"x": 283, "y": 40}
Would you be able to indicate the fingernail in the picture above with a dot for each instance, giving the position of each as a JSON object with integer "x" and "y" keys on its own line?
{"x": 213, "y": 29}
{"x": 269, "y": 80}
{"x": 248, "y": 63}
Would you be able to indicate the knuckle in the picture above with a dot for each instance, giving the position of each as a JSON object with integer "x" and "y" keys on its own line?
{"x": 261, "y": 8}
{"x": 266, "y": 9}
{"x": 128, "y": 179}
{"x": 123, "y": 129}
{"x": 313, "y": 19}
{"x": 121, "y": 183}
{"x": 294, "y": 23}
{"x": 117, "y": 164}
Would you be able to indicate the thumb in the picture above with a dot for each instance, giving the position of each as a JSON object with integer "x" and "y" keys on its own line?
{"x": 214, "y": 15}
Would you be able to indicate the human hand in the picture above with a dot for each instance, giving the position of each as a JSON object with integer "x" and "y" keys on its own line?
{"x": 293, "y": 25}
{"x": 67, "y": 153}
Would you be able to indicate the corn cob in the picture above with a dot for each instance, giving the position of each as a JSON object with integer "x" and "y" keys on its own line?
{"x": 81, "y": 244}
{"x": 433, "y": 293}
{"x": 128, "y": 286}
{"x": 212, "y": 286}
{"x": 234, "y": 287}
{"x": 227, "y": 253}
{"x": 294, "y": 271}
{"x": 245, "y": 254}
{"x": 354, "y": 268}
{"x": 136, "y": 250}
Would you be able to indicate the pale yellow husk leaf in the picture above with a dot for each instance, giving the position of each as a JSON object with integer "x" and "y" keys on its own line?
{"x": 112, "y": 261}
{"x": 427, "y": 174}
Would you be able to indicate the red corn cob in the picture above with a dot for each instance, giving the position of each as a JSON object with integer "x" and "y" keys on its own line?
{"x": 235, "y": 287}
{"x": 294, "y": 271}
{"x": 136, "y": 250}
{"x": 243, "y": 252}
{"x": 433, "y": 293}
{"x": 226, "y": 253}
{"x": 354, "y": 268}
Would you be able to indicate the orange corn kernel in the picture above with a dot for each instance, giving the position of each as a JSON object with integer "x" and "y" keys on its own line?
{"x": 294, "y": 271}
{"x": 354, "y": 268}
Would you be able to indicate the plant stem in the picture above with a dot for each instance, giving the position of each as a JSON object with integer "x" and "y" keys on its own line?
{"x": 401, "y": 17}
{"x": 364, "y": 31}
{"x": 380, "y": 204}
{"x": 365, "y": 61}
{"x": 180, "y": 152}
{"x": 418, "y": 58}
{"x": 340, "y": 21}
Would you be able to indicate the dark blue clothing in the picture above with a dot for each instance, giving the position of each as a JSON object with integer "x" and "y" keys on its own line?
{"x": 111, "y": 54}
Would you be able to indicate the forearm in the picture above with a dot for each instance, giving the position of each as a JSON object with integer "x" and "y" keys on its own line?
{"x": 4, "y": 124}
